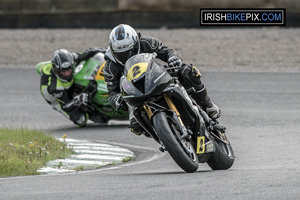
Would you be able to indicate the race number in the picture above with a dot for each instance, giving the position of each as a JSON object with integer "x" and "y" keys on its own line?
{"x": 200, "y": 145}
{"x": 136, "y": 71}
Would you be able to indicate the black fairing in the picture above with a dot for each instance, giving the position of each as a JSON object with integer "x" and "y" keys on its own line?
{"x": 190, "y": 114}
{"x": 143, "y": 77}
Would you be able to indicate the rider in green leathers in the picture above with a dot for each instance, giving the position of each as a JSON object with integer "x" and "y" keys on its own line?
{"x": 57, "y": 86}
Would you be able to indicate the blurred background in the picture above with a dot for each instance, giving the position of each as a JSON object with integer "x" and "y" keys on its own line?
{"x": 31, "y": 30}
{"x": 109, "y": 13}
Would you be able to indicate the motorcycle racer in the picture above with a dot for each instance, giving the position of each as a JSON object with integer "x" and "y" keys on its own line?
{"x": 57, "y": 86}
{"x": 124, "y": 42}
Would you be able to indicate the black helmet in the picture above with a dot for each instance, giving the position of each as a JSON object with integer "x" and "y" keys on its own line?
{"x": 62, "y": 65}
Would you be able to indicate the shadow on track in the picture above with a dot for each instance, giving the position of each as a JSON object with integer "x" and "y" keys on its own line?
{"x": 170, "y": 173}
{"x": 89, "y": 127}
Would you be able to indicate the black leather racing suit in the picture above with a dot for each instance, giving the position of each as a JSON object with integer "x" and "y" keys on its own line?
{"x": 188, "y": 75}
{"x": 114, "y": 70}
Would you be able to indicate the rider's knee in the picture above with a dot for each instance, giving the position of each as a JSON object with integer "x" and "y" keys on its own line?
{"x": 79, "y": 118}
{"x": 190, "y": 76}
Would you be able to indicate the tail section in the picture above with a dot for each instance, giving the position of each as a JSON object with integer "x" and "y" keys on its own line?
{"x": 39, "y": 67}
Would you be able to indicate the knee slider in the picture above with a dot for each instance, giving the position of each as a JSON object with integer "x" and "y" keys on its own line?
{"x": 189, "y": 76}
{"x": 79, "y": 118}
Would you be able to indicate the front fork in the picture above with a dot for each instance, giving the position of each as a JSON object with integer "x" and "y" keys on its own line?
{"x": 172, "y": 107}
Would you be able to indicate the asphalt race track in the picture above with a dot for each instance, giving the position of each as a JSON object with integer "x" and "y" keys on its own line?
{"x": 261, "y": 113}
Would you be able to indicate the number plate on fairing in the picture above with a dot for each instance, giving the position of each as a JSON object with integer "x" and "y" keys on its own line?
{"x": 200, "y": 145}
{"x": 136, "y": 71}
{"x": 203, "y": 147}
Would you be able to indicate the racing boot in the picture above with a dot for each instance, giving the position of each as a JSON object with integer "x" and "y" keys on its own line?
{"x": 202, "y": 98}
{"x": 136, "y": 128}
{"x": 190, "y": 77}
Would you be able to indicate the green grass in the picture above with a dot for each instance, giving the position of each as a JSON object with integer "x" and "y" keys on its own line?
{"x": 127, "y": 159}
{"x": 80, "y": 168}
{"x": 23, "y": 152}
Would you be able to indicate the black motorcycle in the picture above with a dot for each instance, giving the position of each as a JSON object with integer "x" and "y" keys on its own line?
{"x": 169, "y": 115}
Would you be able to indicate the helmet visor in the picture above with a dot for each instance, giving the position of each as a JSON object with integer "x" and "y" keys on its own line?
{"x": 122, "y": 57}
{"x": 64, "y": 75}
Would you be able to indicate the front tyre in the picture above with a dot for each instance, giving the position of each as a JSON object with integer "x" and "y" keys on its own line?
{"x": 180, "y": 150}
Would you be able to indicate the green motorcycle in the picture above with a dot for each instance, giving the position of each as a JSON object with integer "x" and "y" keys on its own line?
{"x": 88, "y": 77}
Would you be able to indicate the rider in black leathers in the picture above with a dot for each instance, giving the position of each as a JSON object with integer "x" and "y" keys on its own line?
{"x": 124, "y": 43}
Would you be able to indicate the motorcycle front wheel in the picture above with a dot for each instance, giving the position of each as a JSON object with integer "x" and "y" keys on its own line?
{"x": 181, "y": 150}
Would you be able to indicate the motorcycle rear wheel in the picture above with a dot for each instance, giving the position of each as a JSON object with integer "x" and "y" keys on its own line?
{"x": 223, "y": 158}
{"x": 175, "y": 146}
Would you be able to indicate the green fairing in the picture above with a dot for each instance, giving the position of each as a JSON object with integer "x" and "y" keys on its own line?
{"x": 84, "y": 73}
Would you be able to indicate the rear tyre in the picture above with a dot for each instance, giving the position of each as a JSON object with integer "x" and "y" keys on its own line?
{"x": 181, "y": 150}
{"x": 223, "y": 158}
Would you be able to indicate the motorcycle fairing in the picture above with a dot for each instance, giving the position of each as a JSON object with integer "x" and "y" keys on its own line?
{"x": 100, "y": 75}
{"x": 143, "y": 77}
{"x": 183, "y": 100}
{"x": 136, "y": 71}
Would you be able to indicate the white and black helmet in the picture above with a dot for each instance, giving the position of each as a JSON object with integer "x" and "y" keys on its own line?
{"x": 62, "y": 65}
{"x": 124, "y": 43}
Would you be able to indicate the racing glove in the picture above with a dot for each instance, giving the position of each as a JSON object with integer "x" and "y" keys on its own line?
{"x": 81, "y": 99}
{"x": 174, "y": 61}
{"x": 119, "y": 101}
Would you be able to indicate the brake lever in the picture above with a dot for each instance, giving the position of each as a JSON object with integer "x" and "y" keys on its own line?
{"x": 118, "y": 104}
{"x": 173, "y": 71}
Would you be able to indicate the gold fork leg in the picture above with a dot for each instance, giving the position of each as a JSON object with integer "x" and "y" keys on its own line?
{"x": 172, "y": 107}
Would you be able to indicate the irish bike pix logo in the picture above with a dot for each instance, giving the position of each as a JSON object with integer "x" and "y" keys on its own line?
{"x": 243, "y": 17}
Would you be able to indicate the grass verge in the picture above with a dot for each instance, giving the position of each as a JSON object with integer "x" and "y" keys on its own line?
{"x": 23, "y": 152}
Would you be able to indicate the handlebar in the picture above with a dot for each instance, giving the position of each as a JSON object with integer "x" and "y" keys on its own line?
{"x": 167, "y": 67}
{"x": 172, "y": 70}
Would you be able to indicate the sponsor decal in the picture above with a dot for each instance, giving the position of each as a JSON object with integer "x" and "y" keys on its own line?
{"x": 78, "y": 68}
{"x": 66, "y": 65}
{"x": 209, "y": 147}
{"x": 102, "y": 87}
